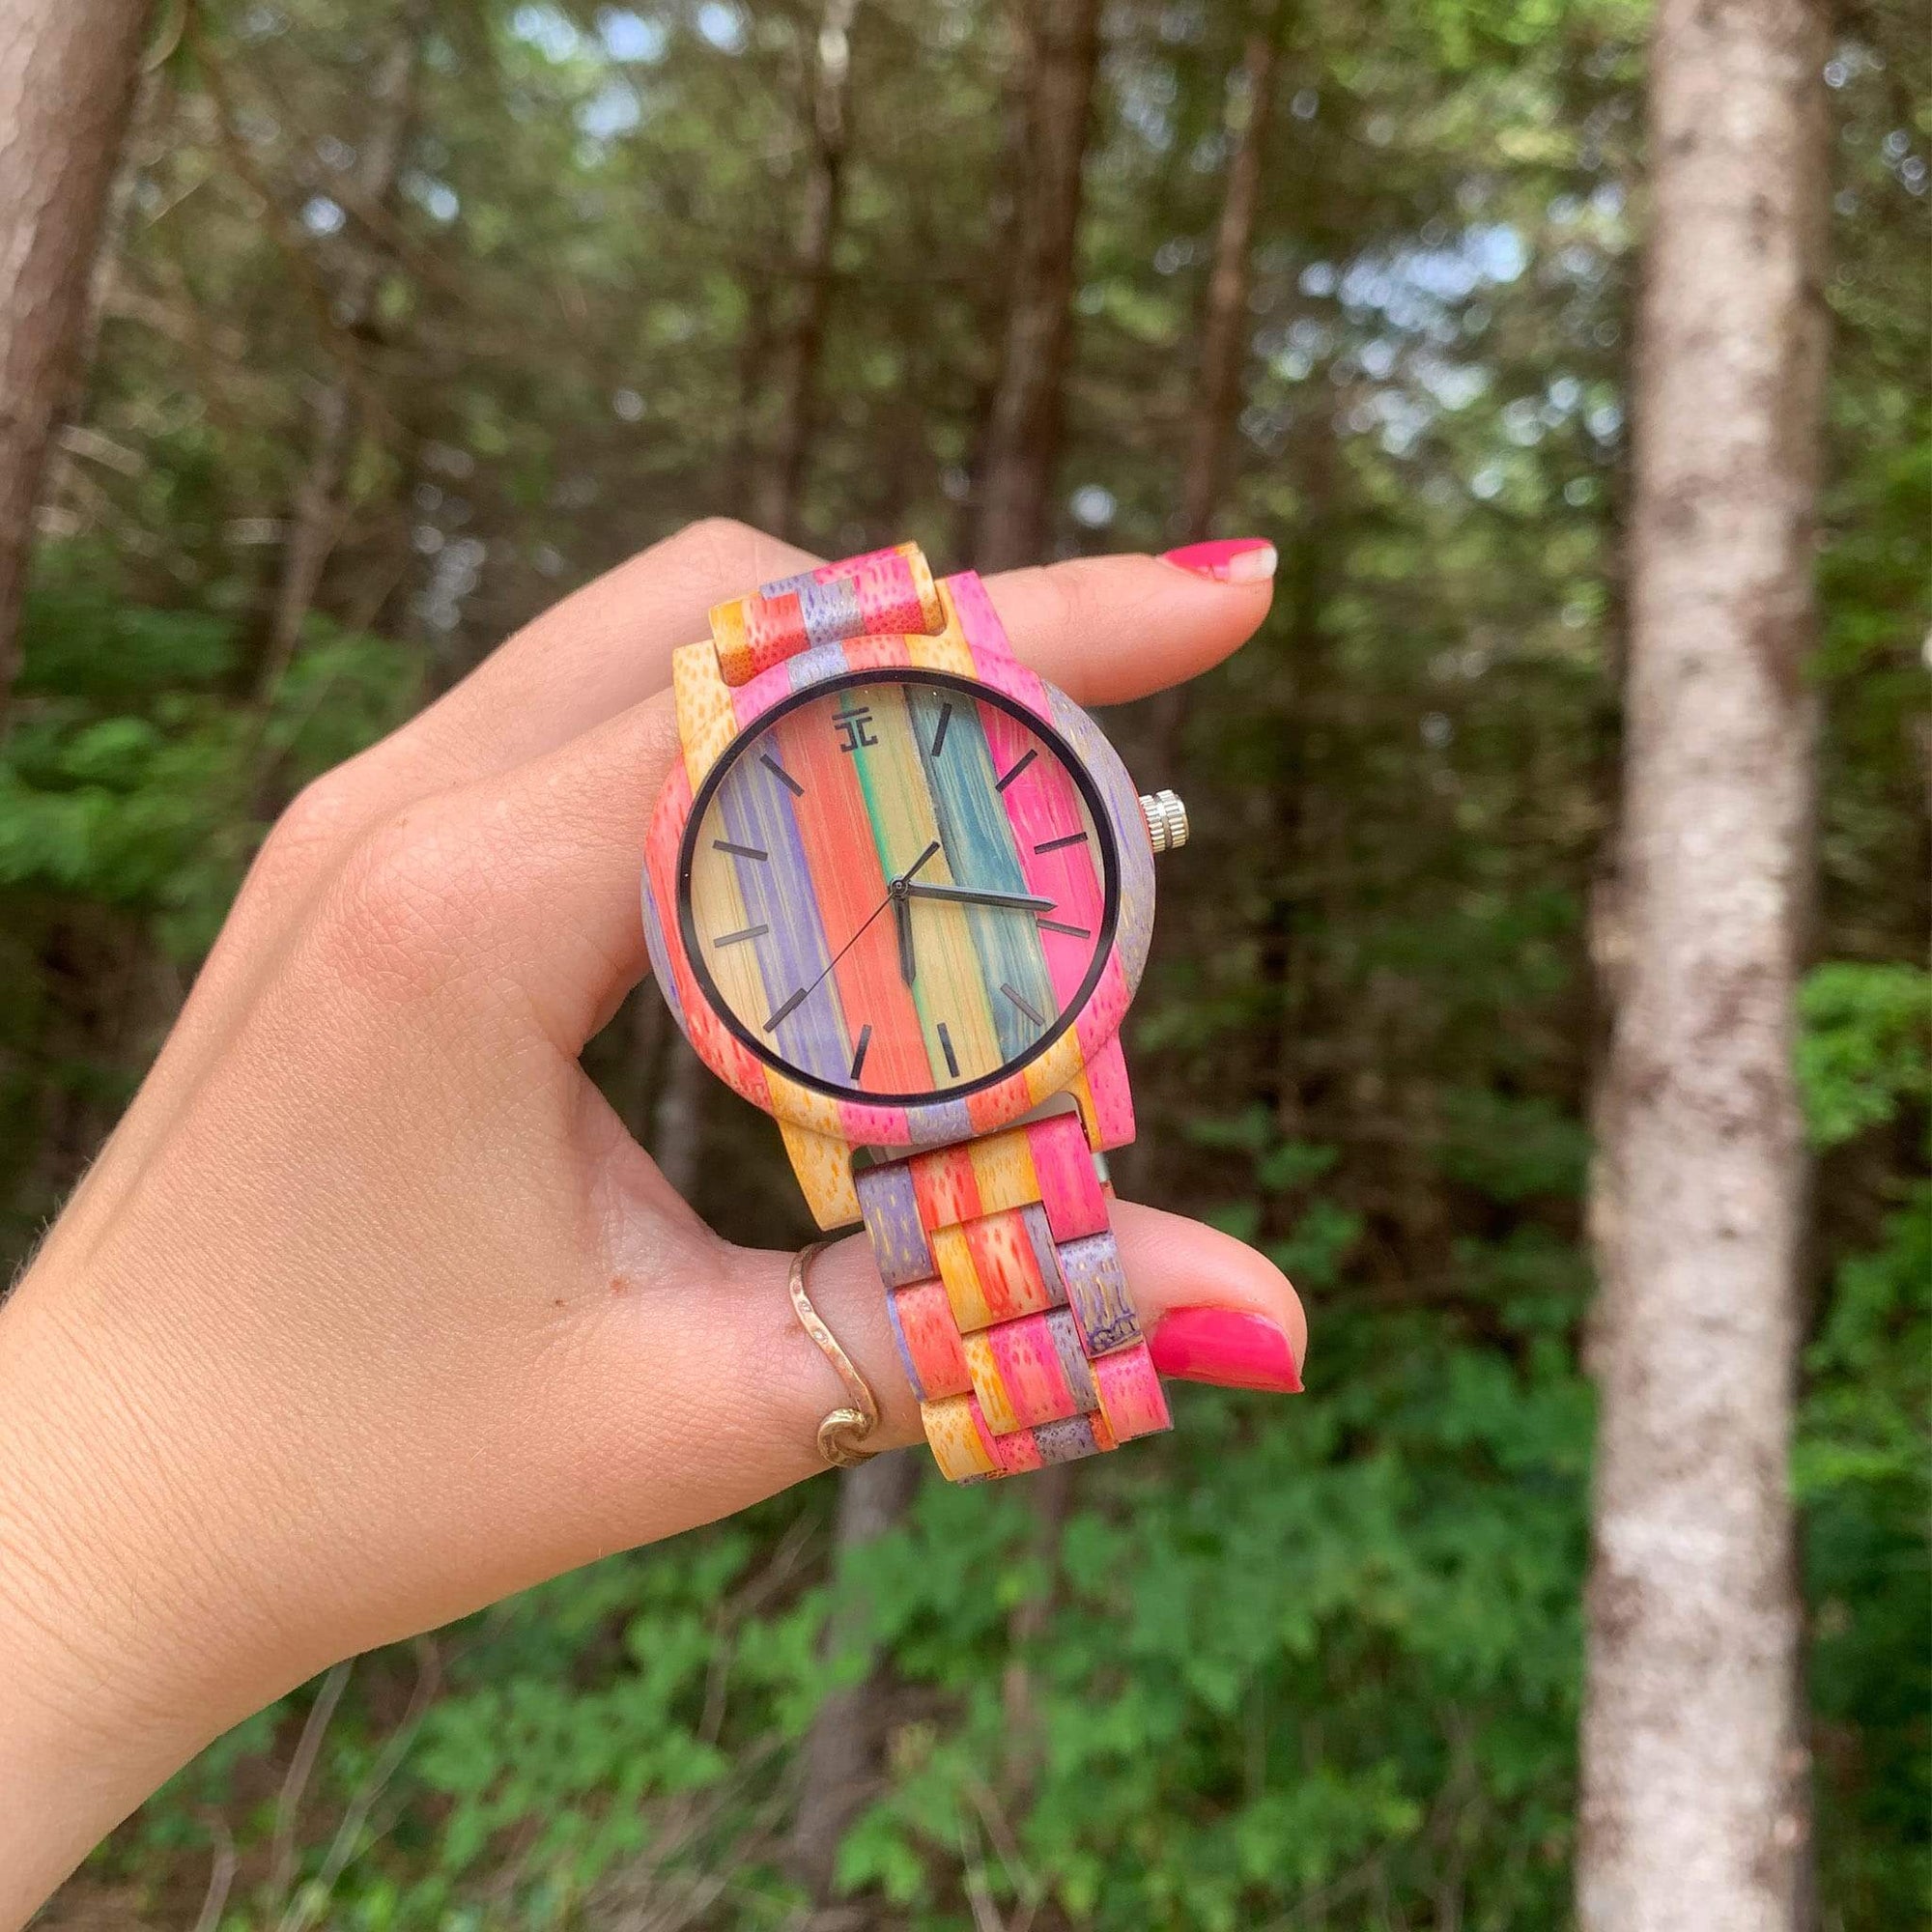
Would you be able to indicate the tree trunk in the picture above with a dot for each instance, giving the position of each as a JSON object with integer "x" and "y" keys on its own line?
{"x": 1694, "y": 1812}
{"x": 1223, "y": 325}
{"x": 1022, "y": 447}
{"x": 818, "y": 233}
{"x": 317, "y": 511}
{"x": 66, "y": 82}
{"x": 1224, "y": 335}
{"x": 840, "y": 1758}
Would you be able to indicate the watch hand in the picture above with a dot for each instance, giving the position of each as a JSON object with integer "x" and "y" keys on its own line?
{"x": 896, "y": 889}
{"x": 963, "y": 895}
{"x": 902, "y": 913}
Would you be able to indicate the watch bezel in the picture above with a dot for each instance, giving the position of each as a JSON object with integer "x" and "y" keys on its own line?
{"x": 713, "y": 715}
{"x": 982, "y": 693}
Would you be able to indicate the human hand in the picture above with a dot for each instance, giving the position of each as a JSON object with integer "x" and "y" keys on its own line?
{"x": 371, "y": 1310}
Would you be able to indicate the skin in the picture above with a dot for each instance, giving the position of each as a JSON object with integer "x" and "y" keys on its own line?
{"x": 370, "y": 1311}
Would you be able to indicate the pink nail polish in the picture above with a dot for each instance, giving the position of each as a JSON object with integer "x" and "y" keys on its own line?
{"x": 1226, "y": 559}
{"x": 1226, "y": 1347}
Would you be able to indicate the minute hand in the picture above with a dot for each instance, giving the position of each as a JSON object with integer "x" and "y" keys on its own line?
{"x": 962, "y": 895}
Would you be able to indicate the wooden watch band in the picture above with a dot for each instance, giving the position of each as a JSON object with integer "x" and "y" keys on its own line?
{"x": 1005, "y": 1285}
{"x": 1008, "y": 1302}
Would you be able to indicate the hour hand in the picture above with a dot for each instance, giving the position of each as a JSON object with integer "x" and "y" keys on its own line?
{"x": 963, "y": 895}
{"x": 902, "y": 915}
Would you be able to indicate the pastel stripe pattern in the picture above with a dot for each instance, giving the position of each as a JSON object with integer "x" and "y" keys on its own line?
{"x": 887, "y": 592}
{"x": 1020, "y": 1340}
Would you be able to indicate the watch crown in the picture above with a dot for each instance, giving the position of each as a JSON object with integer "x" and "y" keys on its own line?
{"x": 1166, "y": 820}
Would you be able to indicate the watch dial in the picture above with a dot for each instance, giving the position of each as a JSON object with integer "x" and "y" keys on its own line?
{"x": 897, "y": 887}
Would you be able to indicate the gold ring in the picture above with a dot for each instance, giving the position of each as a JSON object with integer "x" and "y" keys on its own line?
{"x": 843, "y": 1428}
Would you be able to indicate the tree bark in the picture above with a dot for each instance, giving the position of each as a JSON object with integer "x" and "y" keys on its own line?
{"x": 1022, "y": 447}
{"x": 841, "y": 1760}
{"x": 819, "y": 234}
{"x": 317, "y": 513}
{"x": 1224, "y": 335}
{"x": 1224, "y": 323}
{"x": 66, "y": 83}
{"x": 1694, "y": 1813}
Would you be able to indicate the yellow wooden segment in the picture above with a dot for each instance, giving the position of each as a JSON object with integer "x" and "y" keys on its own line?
{"x": 955, "y": 1439}
{"x": 718, "y": 906}
{"x": 823, "y": 1165}
{"x": 1002, "y": 1167}
{"x": 1054, "y": 1069}
{"x": 705, "y": 720}
{"x": 996, "y": 1405}
{"x": 954, "y": 1262}
{"x": 947, "y": 651}
{"x": 950, "y": 989}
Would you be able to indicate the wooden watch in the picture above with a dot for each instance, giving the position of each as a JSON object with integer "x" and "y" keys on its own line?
{"x": 899, "y": 893}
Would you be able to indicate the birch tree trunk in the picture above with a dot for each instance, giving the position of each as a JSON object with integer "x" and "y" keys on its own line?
{"x": 317, "y": 511}
{"x": 1022, "y": 447}
{"x": 1694, "y": 1813}
{"x": 66, "y": 82}
{"x": 819, "y": 234}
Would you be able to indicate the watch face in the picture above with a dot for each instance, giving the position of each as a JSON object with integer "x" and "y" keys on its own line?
{"x": 899, "y": 886}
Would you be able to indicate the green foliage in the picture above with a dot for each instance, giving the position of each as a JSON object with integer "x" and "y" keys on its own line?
{"x": 1866, "y": 1046}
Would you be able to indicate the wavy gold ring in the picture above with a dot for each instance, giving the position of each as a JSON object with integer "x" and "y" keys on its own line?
{"x": 842, "y": 1431}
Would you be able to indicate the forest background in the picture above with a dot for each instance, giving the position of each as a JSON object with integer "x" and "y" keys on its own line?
{"x": 413, "y": 314}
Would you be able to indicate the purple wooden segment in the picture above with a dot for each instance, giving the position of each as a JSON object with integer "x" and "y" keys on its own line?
{"x": 831, "y": 611}
{"x": 756, "y": 809}
{"x": 1065, "y": 1441}
{"x": 939, "y": 1122}
{"x": 661, "y": 962}
{"x": 1065, "y": 1333}
{"x": 1097, "y": 1292}
{"x": 1045, "y": 1252}
{"x": 891, "y": 1209}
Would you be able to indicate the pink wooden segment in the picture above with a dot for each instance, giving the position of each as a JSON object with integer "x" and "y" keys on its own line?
{"x": 1031, "y": 1371}
{"x": 842, "y": 856}
{"x": 1110, "y": 1096}
{"x": 864, "y": 1125}
{"x": 929, "y": 1337}
{"x": 1009, "y": 1271}
{"x": 878, "y": 654}
{"x": 1099, "y": 1020}
{"x": 946, "y": 1190}
{"x": 993, "y": 659}
{"x": 1016, "y": 1454}
{"x": 1069, "y": 1188}
{"x": 1131, "y": 1397}
{"x": 992, "y": 1107}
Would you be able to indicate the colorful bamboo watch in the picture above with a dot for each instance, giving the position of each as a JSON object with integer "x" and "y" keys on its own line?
{"x": 899, "y": 893}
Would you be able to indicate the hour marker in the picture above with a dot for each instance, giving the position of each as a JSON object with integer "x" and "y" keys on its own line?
{"x": 1059, "y": 844}
{"x": 748, "y": 933}
{"x": 1002, "y": 783}
{"x": 946, "y": 1047}
{"x": 1071, "y": 931}
{"x": 743, "y": 851}
{"x": 945, "y": 724}
{"x": 859, "y": 1051}
{"x": 1037, "y": 1018}
{"x": 771, "y": 1023}
{"x": 778, "y": 772}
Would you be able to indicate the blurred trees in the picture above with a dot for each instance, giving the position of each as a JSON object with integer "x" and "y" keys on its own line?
{"x": 1310, "y": 1664}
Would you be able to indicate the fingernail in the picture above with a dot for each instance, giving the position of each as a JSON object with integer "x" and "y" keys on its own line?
{"x": 1226, "y": 559}
{"x": 1227, "y": 1347}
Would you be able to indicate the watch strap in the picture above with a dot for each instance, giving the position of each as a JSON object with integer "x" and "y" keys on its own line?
{"x": 885, "y": 593}
{"x": 1007, "y": 1301}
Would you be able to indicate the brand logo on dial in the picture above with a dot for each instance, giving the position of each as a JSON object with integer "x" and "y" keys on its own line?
{"x": 899, "y": 886}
